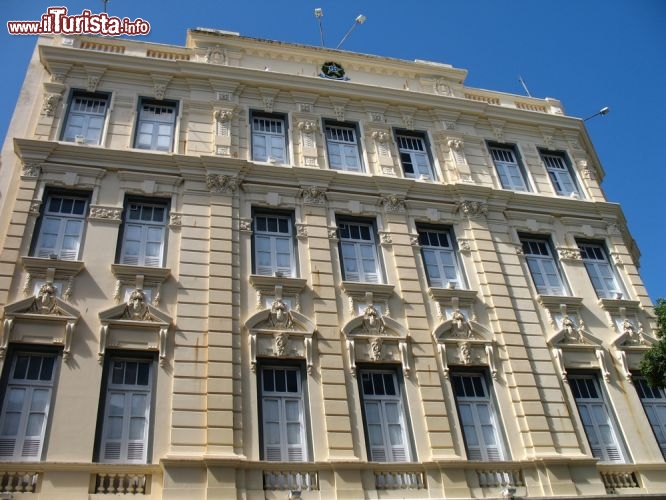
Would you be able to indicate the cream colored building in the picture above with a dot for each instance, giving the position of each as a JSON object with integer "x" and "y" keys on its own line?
{"x": 246, "y": 269}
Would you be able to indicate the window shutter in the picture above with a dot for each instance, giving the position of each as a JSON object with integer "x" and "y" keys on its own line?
{"x": 277, "y": 149}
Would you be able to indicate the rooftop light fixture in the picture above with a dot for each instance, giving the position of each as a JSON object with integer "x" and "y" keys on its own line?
{"x": 319, "y": 14}
{"x": 360, "y": 19}
{"x": 603, "y": 111}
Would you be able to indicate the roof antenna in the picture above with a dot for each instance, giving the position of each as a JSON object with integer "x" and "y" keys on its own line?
{"x": 522, "y": 82}
{"x": 318, "y": 14}
{"x": 105, "y": 2}
{"x": 360, "y": 19}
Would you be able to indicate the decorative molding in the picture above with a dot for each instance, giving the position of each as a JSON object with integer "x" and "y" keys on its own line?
{"x": 50, "y": 103}
{"x": 99, "y": 212}
{"x": 301, "y": 231}
{"x": 245, "y": 225}
{"x": 223, "y": 115}
{"x": 160, "y": 83}
{"x": 565, "y": 254}
{"x": 472, "y": 209}
{"x": 414, "y": 240}
{"x": 393, "y": 203}
{"x": 307, "y": 126}
{"x": 175, "y": 220}
{"x": 464, "y": 245}
{"x": 218, "y": 183}
{"x": 381, "y": 136}
{"x": 333, "y": 234}
{"x": 314, "y": 195}
{"x": 385, "y": 238}
{"x": 31, "y": 168}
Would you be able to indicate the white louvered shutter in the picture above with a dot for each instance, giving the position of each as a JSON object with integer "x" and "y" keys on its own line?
{"x": 61, "y": 227}
{"x": 477, "y": 417}
{"x": 127, "y": 412}
{"x": 359, "y": 253}
{"x": 268, "y": 139}
{"x": 654, "y": 402}
{"x": 597, "y": 421}
{"x": 26, "y": 407}
{"x": 273, "y": 245}
{"x": 144, "y": 234}
{"x": 283, "y": 415}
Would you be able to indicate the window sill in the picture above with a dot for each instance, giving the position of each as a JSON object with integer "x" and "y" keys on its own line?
{"x": 267, "y": 284}
{"x": 141, "y": 276}
{"x": 615, "y": 305}
{"x": 554, "y": 301}
{"x": 39, "y": 267}
{"x": 464, "y": 298}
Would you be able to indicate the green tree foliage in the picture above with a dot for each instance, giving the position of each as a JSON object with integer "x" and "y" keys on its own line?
{"x": 653, "y": 364}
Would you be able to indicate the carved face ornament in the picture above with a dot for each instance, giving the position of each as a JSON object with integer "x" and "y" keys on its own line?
{"x": 46, "y": 299}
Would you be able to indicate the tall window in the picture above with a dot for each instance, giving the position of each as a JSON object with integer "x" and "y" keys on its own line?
{"x": 600, "y": 271}
{"x": 360, "y": 261}
{"x": 509, "y": 169}
{"x": 61, "y": 226}
{"x": 26, "y": 405}
{"x": 440, "y": 259}
{"x": 85, "y": 117}
{"x": 343, "y": 147}
{"x": 543, "y": 266}
{"x": 269, "y": 138}
{"x": 654, "y": 403}
{"x": 284, "y": 432}
{"x": 127, "y": 408}
{"x": 414, "y": 156}
{"x": 384, "y": 416}
{"x": 273, "y": 245}
{"x": 144, "y": 233}
{"x": 560, "y": 174}
{"x": 600, "y": 428}
{"x": 156, "y": 125}
{"x": 478, "y": 417}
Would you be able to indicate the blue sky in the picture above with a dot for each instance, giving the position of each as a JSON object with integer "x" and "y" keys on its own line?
{"x": 586, "y": 53}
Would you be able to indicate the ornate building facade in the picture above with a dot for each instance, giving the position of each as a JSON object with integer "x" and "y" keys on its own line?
{"x": 258, "y": 270}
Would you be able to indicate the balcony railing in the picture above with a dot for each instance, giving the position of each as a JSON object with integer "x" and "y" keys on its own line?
{"x": 113, "y": 483}
{"x": 400, "y": 480}
{"x": 291, "y": 480}
{"x": 19, "y": 482}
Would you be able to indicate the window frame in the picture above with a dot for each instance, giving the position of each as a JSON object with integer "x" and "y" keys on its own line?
{"x": 106, "y": 387}
{"x": 405, "y": 422}
{"x": 121, "y": 257}
{"x": 147, "y": 101}
{"x": 83, "y": 94}
{"x": 37, "y": 248}
{"x": 293, "y": 246}
{"x": 285, "y": 136}
{"x": 359, "y": 258}
{"x": 494, "y": 417}
{"x": 357, "y": 141}
{"x": 461, "y": 281}
{"x": 14, "y": 351}
{"x": 426, "y": 152}
{"x": 554, "y": 173}
{"x": 603, "y": 292}
{"x": 520, "y": 167}
{"x": 611, "y": 420}
{"x": 658, "y": 427}
{"x": 537, "y": 260}
{"x": 304, "y": 409}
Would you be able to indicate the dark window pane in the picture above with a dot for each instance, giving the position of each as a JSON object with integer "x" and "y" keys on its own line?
{"x": 67, "y": 204}
{"x": 467, "y": 386}
{"x": 478, "y": 388}
{"x": 34, "y": 366}
{"x": 457, "y": 387}
{"x": 389, "y": 384}
{"x": 144, "y": 374}
{"x": 79, "y": 207}
{"x": 367, "y": 384}
{"x": 292, "y": 384}
{"x": 47, "y": 368}
{"x": 269, "y": 383}
{"x": 378, "y": 382}
{"x": 130, "y": 373}
{"x": 21, "y": 367}
{"x": 117, "y": 372}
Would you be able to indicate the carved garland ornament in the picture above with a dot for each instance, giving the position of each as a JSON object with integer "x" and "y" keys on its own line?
{"x": 222, "y": 183}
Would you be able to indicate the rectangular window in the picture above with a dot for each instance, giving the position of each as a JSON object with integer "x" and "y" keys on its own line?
{"x": 384, "y": 416}
{"x": 343, "y": 147}
{"x": 156, "y": 125}
{"x": 560, "y": 174}
{"x": 600, "y": 271}
{"x": 269, "y": 138}
{"x": 60, "y": 227}
{"x": 509, "y": 169}
{"x": 478, "y": 417}
{"x": 654, "y": 403}
{"x": 358, "y": 251}
{"x": 542, "y": 265}
{"x": 439, "y": 258}
{"x": 274, "y": 245}
{"x": 414, "y": 156}
{"x": 26, "y": 404}
{"x": 127, "y": 410}
{"x": 144, "y": 233}
{"x": 595, "y": 414}
{"x": 85, "y": 117}
{"x": 284, "y": 432}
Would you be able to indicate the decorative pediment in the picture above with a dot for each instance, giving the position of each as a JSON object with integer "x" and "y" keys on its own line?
{"x": 629, "y": 347}
{"x": 448, "y": 300}
{"x": 135, "y": 324}
{"x": 463, "y": 341}
{"x": 574, "y": 347}
{"x": 281, "y": 332}
{"x": 50, "y": 270}
{"x": 375, "y": 337}
{"x": 43, "y": 319}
